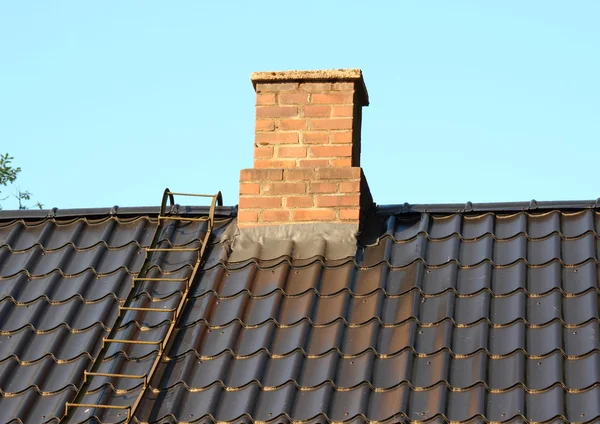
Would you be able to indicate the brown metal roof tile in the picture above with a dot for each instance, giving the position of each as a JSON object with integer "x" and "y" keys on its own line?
{"x": 447, "y": 317}
{"x": 28, "y": 345}
{"x": 30, "y": 406}
{"x": 44, "y": 374}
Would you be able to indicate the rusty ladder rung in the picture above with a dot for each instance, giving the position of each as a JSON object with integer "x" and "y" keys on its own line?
{"x": 125, "y": 341}
{"x": 105, "y": 374}
{"x": 174, "y": 193}
{"x": 97, "y": 405}
{"x": 133, "y": 308}
{"x": 170, "y": 280}
{"x": 167, "y": 280}
{"x": 173, "y": 249}
{"x": 182, "y": 218}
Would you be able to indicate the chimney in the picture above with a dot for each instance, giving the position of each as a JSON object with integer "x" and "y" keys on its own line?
{"x": 306, "y": 150}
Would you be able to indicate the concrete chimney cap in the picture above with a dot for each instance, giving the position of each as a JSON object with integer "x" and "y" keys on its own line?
{"x": 335, "y": 75}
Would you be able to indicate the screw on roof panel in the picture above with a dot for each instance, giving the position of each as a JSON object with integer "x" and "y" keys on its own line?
{"x": 532, "y": 205}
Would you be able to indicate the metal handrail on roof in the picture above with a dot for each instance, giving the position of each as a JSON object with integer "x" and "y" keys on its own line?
{"x": 164, "y": 215}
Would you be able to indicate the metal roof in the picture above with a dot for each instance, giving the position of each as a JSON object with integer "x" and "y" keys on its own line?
{"x": 477, "y": 316}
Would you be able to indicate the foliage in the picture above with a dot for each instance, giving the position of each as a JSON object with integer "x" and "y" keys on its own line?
{"x": 8, "y": 176}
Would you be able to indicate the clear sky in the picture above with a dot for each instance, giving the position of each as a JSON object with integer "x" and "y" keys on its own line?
{"x": 110, "y": 102}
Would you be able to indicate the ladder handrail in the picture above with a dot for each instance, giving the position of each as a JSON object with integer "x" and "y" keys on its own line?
{"x": 215, "y": 199}
{"x": 168, "y": 196}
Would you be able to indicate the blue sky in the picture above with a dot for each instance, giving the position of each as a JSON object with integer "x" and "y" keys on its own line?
{"x": 109, "y": 103}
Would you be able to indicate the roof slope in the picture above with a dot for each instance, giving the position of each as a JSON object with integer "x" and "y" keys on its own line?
{"x": 446, "y": 317}
{"x": 61, "y": 281}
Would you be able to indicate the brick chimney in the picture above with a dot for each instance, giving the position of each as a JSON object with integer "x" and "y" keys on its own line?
{"x": 306, "y": 150}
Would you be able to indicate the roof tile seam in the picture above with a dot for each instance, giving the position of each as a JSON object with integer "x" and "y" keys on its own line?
{"x": 479, "y": 238}
{"x": 94, "y": 246}
{"x": 388, "y": 295}
{"x": 45, "y": 356}
{"x": 380, "y": 356}
{"x": 67, "y": 222}
{"x": 507, "y": 215}
{"x": 395, "y": 324}
{"x": 369, "y": 385}
{"x": 72, "y": 298}
{"x": 230, "y": 266}
{"x": 50, "y": 330}
{"x": 38, "y": 390}
{"x": 90, "y": 268}
{"x": 399, "y": 415}
{"x": 87, "y": 301}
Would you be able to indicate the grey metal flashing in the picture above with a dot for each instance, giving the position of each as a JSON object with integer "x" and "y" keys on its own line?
{"x": 297, "y": 241}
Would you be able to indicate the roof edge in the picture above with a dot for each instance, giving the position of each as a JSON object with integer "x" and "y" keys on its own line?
{"x": 532, "y": 205}
{"x": 231, "y": 211}
{"x": 220, "y": 211}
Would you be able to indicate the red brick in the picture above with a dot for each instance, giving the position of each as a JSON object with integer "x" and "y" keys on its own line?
{"x": 341, "y": 162}
{"x": 259, "y": 202}
{"x": 276, "y": 111}
{"x": 330, "y": 151}
{"x": 313, "y": 214}
{"x": 293, "y": 98}
{"x": 273, "y": 86}
{"x": 315, "y": 137}
{"x": 313, "y": 163}
{"x": 338, "y": 173}
{"x": 350, "y": 187}
{"x": 284, "y": 188}
{"x": 264, "y": 125}
{"x": 299, "y": 201}
{"x": 331, "y": 124}
{"x": 299, "y": 174}
{"x": 263, "y": 152}
{"x": 291, "y": 124}
{"x": 275, "y": 216}
{"x": 315, "y": 86}
{"x": 343, "y": 111}
{"x": 332, "y": 98}
{"x": 249, "y": 188}
{"x": 261, "y": 174}
{"x": 265, "y": 98}
{"x": 344, "y": 200}
{"x": 248, "y": 216}
{"x": 276, "y": 138}
{"x": 350, "y": 214}
{"x": 323, "y": 188}
{"x": 270, "y": 163}
{"x": 317, "y": 111}
{"x": 343, "y": 86}
{"x": 291, "y": 152}
{"x": 342, "y": 137}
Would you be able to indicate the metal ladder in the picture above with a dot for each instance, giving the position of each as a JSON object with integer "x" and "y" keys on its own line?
{"x": 163, "y": 216}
